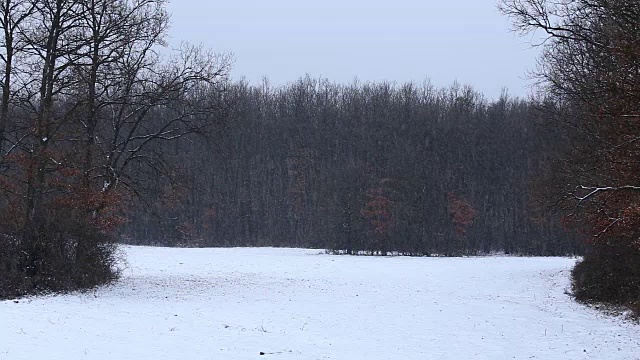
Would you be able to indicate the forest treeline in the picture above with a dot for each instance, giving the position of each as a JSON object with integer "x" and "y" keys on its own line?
{"x": 368, "y": 168}
{"x": 105, "y": 138}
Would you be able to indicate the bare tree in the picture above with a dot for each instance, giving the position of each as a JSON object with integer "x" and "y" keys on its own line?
{"x": 50, "y": 39}
{"x": 589, "y": 70}
{"x": 12, "y": 14}
{"x": 97, "y": 100}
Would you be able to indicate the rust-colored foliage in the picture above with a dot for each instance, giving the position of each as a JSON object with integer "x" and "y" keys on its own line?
{"x": 103, "y": 209}
{"x": 378, "y": 210}
{"x": 462, "y": 213}
{"x": 66, "y": 196}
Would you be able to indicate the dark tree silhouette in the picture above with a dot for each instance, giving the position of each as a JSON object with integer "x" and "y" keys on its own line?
{"x": 361, "y": 168}
{"x": 589, "y": 70}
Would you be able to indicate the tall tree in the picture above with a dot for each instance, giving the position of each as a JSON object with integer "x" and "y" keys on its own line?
{"x": 93, "y": 112}
{"x": 590, "y": 71}
{"x": 589, "y": 68}
{"x": 12, "y": 15}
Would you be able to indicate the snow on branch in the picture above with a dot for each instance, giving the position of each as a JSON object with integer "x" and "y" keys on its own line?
{"x": 596, "y": 190}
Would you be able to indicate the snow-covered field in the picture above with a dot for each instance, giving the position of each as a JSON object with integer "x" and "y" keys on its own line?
{"x": 302, "y": 304}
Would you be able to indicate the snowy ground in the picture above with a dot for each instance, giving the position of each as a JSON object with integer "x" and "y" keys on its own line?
{"x": 301, "y": 304}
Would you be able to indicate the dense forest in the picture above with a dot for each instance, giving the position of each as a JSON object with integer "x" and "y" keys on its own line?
{"x": 359, "y": 168}
{"x": 109, "y": 137}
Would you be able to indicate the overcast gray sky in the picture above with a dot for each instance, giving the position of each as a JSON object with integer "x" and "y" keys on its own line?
{"x": 396, "y": 40}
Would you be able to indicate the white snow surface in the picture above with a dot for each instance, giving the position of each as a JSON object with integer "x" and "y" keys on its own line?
{"x": 303, "y": 304}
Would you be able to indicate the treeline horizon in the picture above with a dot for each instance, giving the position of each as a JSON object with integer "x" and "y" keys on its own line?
{"x": 362, "y": 168}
